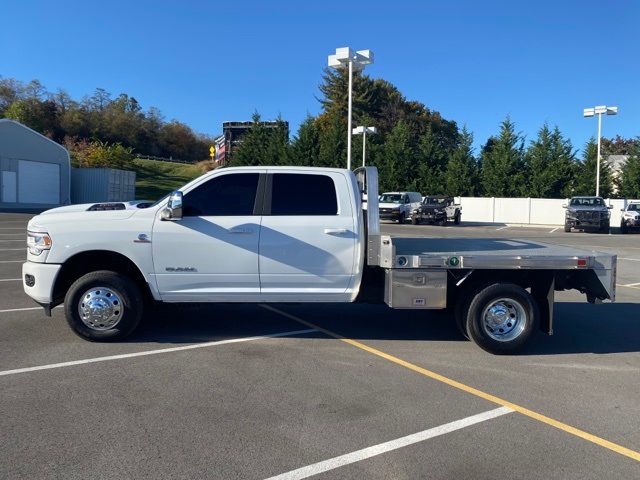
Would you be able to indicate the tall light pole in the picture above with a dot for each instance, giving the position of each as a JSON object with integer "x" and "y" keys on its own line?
{"x": 361, "y": 130}
{"x": 347, "y": 58}
{"x": 590, "y": 112}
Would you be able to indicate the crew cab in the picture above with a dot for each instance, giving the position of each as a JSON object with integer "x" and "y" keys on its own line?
{"x": 630, "y": 217}
{"x": 293, "y": 234}
{"x": 587, "y": 213}
{"x": 437, "y": 209}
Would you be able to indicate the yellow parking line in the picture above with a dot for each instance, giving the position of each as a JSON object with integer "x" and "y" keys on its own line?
{"x": 473, "y": 391}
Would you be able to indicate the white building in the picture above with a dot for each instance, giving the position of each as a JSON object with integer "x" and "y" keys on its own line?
{"x": 35, "y": 171}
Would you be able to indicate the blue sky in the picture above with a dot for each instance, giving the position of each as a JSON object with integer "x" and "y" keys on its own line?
{"x": 206, "y": 62}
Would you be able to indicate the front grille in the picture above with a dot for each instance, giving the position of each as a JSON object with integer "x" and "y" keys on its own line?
{"x": 588, "y": 215}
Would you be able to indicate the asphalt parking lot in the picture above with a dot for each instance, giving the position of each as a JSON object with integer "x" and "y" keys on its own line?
{"x": 341, "y": 391}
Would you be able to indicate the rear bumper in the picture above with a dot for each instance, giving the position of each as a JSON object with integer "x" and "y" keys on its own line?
{"x": 38, "y": 280}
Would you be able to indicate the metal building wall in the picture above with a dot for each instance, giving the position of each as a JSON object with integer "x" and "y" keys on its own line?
{"x": 102, "y": 185}
{"x": 20, "y": 147}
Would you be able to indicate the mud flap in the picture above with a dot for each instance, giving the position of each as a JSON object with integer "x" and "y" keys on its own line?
{"x": 543, "y": 291}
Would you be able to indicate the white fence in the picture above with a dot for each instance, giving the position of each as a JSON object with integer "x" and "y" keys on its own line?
{"x": 525, "y": 211}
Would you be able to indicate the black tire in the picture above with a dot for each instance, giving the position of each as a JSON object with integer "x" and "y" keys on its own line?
{"x": 624, "y": 228}
{"x": 129, "y": 297}
{"x": 567, "y": 228}
{"x": 605, "y": 228}
{"x": 402, "y": 218}
{"x": 442, "y": 222}
{"x": 414, "y": 220}
{"x": 512, "y": 295}
{"x": 457, "y": 218}
{"x": 459, "y": 314}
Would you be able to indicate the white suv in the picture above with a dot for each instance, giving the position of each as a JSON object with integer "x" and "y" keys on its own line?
{"x": 630, "y": 217}
{"x": 398, "y": 205}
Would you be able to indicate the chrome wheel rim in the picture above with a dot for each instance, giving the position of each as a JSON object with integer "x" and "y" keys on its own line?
{"x": 504, "y": 319}
{"x": 100, "y": 308}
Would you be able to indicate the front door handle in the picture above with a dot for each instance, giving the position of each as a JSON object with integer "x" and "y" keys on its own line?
{"x": 241, "y": 230}
{"x": 335, "y": 231}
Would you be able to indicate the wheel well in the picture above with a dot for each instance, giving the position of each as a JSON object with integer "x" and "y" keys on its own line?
{"x": 540, "y": 283}
{"x": 86, "y": 262}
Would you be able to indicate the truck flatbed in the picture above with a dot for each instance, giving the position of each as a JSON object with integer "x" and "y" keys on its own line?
{"x": 492, "y": 253}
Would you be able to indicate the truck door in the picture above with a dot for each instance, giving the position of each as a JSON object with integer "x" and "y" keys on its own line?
{"x": 212, "y": 251}
{"x": 308, "y": 240}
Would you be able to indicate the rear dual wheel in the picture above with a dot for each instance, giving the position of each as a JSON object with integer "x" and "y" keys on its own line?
{"x": 500, "y": 318}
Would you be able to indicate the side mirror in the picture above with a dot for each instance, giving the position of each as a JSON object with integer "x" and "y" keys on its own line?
{"x": 622, "y": 209}
{"x": 610, "y": 207}
{"x": 174, "y": 207}
{"x": 564, "y": 205}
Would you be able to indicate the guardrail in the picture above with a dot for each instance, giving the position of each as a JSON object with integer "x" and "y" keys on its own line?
{"x": 162, "y": 159}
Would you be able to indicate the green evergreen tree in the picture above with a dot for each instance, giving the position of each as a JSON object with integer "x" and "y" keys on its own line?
{"x": 628, "y": 181}
{"x": 332, "y": 140}
{"x": 461, "y": 175}
{"x": 550, "y": 161}
{"x": 430, "y": 165}
{"x": 503, "y": 172}
{"x": 585, "y": 182}
{"x": 396, "y": 159}
{"x": 305, "y": 147}
{"x": 252, "y": 150}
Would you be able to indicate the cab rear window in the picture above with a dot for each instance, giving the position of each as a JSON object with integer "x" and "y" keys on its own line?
{"x": 300, "y": 194}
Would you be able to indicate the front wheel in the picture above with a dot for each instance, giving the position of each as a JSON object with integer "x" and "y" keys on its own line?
{"x": 502, "y": 318}
{"x": 605, "y": 228}
{"x": 457, "y": 218}
{"x": 567, "y": 228}
{"x": 414, "y": 220}
{"x": 103, "y": 306}
{"x": 623, "y": 228}
{"x": 402, "y": 218}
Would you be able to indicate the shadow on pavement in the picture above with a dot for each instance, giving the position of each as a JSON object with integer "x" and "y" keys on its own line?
{"x": 578, "y": 327}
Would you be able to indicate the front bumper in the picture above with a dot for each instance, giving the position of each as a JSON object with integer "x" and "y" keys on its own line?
{"x": 587, "y": 223}
{"x": 392, "y": 215}
{"x": 38, "y": 280}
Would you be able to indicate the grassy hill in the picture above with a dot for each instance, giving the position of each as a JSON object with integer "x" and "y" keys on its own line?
{"x": 155, "y": 179}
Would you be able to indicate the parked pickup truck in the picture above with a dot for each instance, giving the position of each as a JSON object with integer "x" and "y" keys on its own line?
{"x": 437, "y": 209}
{"x": 293, "y": 234}
{"x": 587, "y": 213}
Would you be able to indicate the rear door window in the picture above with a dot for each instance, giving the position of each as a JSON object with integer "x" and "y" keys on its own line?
{"x": 301, "y": 194}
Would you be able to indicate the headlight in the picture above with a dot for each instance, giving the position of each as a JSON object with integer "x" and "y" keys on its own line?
{"x": 37, "y": 242}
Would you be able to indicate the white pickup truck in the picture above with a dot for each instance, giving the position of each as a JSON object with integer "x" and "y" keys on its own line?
{"x": 293, "y": 234}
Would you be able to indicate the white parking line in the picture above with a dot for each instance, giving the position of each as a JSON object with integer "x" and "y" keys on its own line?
{"x": 19, "y": 309}
{"x": 12, "y": 261}
{"x": 13, "y": 240}
{"x": 629, "y": 259}
{"x": 365, "y": 453}
{"x": 12, "y": 249}
{"x": 153, "y": 352}
{"x": 630, "y": 285}
{"x": 10, "y": 279}
{"x": 12, "y": 234}
{"x": 502, "y": 228}
{"x": 557, "y": 228}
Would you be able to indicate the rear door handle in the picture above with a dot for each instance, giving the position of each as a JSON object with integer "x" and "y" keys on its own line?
{"x": 335, "y": 231}
{"x": 241, "y": 230}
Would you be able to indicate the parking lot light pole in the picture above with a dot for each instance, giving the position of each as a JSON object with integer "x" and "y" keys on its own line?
{"x": 364, "y": 130}
{"x": 347, "y": 58}
{"x": 590, "y": 112}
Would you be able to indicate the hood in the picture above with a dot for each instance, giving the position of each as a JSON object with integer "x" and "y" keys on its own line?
{"x": 431, "y": 207}
{"x": 99, "y": 206}
{"x": 583, "y": 208}
{"x": 389, "y": 205}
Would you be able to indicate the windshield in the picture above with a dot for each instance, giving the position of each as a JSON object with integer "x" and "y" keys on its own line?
{"x": 433, "y": 201}
{"x": 634, "y": 206}
{"x": 587, "y": 202}
{"x": 157, "y": 202}
{"x": 390, "y": 198}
